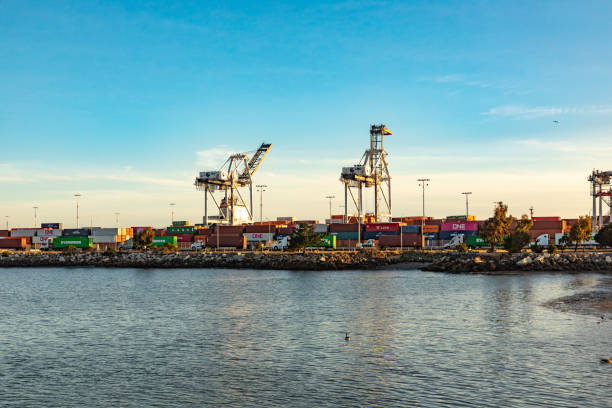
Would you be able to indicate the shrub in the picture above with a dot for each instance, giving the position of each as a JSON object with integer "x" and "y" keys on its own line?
{"x": 537, "y": 249}
{"x": 552, "y": 249}
{"x": 6, "y": 253}
{"x": 70, "y": 249}
{"x": 462, "y": 248}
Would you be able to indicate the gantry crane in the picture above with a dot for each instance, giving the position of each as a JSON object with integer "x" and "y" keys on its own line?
{"x": 372, "y": 171}
{"x": 235, "y": 174}
{"x": 600, "y": 188}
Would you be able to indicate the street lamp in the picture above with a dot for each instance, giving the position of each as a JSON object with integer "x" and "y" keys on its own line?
{"x": 467, "y": 207}
{"x": 172, "y": 212}
{"x": 261, "y": 191}
{"x": 330, "y": 197}
{"x": 423, "y": 184}
{"x": 77, "y": 208}
{"x": 35, "y": 216}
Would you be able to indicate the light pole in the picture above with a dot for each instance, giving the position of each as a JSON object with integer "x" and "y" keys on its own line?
{"x": 117, "y": 219}
{"x": 467, "y": 206}
{"x": 77, "y": 208}
{"x": 35, "y": 216}
{"x": 172, "y": 213}
{"x": 423, "y": 184}
{"x": 330, "y": 197}
{"x": 261, "y": 191}
{"x": 7, "y": 217}
{"x": 531, "y": 211}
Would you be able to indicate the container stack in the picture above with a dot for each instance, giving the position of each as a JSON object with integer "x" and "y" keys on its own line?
{"x": 255, "y": 234}
{"x": 547, "y": 225}
{"x": 226, "y": 236}
{"x": 347, "y": 235}
{"x": 450, "y": 229}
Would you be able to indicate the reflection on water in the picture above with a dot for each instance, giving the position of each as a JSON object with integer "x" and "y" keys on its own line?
{"x": 99, "y": 337}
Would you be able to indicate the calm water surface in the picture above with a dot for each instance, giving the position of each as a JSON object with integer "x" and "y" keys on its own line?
{"x": 136, "y": 338}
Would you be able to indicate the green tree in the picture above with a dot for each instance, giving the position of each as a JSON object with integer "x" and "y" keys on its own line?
{"x": 581, "y": 231}
{"x": 144, "y": 239}
{"x": 524, "y": 224}
{"x": 303, "y": 237}
{"x": 516, "y": 241}
{"x": 495, "y": 229}
{"x": 604, "y": 236}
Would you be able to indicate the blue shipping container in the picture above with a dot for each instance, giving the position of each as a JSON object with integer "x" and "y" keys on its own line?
{"x": 81, "y": 232}
{"x": 346, "y": 235}
{"x": 411, "y": 229}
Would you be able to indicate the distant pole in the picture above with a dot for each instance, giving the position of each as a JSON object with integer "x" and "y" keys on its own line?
{"x": 172, "y": 213}
{"x": 117, "y": 219}
{"x": 330, "y": 197}
{"x": 77, "y": 208}
{"x": 7, "y": 217}
{"x": 35, "y": 216}
{"x": 467, "y": 205}
{"x": 531, "y": 211}
{"x": 261, "y": 191}
{"x": 423, "y": 184}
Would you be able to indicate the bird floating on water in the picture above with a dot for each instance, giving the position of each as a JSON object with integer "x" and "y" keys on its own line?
{"x": 347, "y": 337}
{"x": 606, "y": 360}
{"x": 603, "y": 319}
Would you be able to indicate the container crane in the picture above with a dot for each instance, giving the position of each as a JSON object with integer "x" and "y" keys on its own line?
{"x": 235, "y": 174}
{"x": 372, "y": 171}
{"x": 600, "y": 189}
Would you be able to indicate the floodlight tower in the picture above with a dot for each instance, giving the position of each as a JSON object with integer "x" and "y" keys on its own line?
{"x": 372, "y": 171}
{"x": 600, "y": 189}
{"x": 235, "y": 174}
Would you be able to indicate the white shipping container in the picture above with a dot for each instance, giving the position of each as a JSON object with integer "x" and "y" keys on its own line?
{"x": 105, "y": 239}
{"x": 41, "y": 240}
{"x": 258, "y": 236}
{"x": 46, "y": 232}
{"x": 98, "y": 232}
{"x": 23, "y": 232}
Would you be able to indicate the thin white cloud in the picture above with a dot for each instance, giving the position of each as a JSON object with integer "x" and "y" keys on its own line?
{"x": 214, "y": 157}
{"x": 535, "y": 112}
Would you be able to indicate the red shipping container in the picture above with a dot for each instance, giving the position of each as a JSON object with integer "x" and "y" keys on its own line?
{"x": 235, "y": 230}
{"x": 260, "y": 229}
{"x": 346, "y": 243}
{"x": 13, "y": 243}
{"x": 5, "y": 233}
{"x": 546, "y": 218}
{"x": 285, "y": 231}
{"x": 460, "y": 226}
{"x": 395, "y": 241}
{"x": 431, "y": 228}
{"x": 224, "y": 241}
{"x": 382, "y": 226}
{"x": 434, "y": 222}
{"x": 343, "y": 227}
{"x": 549, "y": 225}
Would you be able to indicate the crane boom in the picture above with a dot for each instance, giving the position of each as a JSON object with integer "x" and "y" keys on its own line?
{"x": 256, "y": 160}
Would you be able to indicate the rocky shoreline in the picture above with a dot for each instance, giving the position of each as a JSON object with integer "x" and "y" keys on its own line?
{"x": 451, "y": 262}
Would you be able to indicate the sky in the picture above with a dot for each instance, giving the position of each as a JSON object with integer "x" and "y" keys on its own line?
{"x": 124, "y": 102}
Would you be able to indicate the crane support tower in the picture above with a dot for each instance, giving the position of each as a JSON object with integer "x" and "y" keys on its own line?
{"x": 600, "y": 190}
{"x": 372, "y": 171}
{"x": 234, "y": 175}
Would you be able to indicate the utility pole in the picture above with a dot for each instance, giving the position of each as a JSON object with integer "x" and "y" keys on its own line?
{"x": 77, "y": 208}
{"x": 467, "y": 205}
{"x": 423, "y": 184}
{"x": 531, "y": 211}
{"x": 117, "y": 219}
{"x": 261, "y": 191}
{"x": 330, "y": 197}
{"x": 7, "y": 217}
{"x": 35, "y": 216}
{"x": 172, "y": 213}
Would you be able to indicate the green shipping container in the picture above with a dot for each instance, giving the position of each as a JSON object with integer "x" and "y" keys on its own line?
{"x": 474, "y": 241}
{"x": 180, "y": 230}
{"x": 180, "y": 223}
{"x": 160, "y": 241}
{"x": 329, "y": 241}
{"x": 77, "y": 242}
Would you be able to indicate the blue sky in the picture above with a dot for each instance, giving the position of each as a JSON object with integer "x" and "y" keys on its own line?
{"x": 124, "y": 102}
